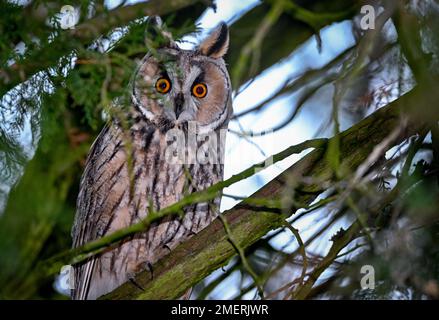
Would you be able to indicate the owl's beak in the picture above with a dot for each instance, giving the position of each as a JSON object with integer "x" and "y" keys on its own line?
{"x": 179, "y": 104}
{"x": 182, "y": 112}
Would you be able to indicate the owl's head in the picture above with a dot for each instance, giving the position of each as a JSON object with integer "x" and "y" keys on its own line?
{"x": 175, "y": 86}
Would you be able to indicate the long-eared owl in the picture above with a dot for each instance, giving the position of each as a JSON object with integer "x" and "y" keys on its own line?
{"x": 131, "y": 171}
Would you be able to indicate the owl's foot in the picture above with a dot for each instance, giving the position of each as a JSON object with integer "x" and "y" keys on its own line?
{"x": 141, "y": 267}
{"x": 149, "y": 265}
{"x": 134, "y": 282}
{"x": 132, "y": 278}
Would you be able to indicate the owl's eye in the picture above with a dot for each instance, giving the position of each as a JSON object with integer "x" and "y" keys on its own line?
{"x": 163, "y": 85}
{"x": 199, "y": 90}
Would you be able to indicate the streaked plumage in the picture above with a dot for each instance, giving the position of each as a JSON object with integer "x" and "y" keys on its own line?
{"x": 112, "y": 196}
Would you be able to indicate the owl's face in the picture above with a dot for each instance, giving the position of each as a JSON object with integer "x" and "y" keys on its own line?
{"x": 175, "y": 86}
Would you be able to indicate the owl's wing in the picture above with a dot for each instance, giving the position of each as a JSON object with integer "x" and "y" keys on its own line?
{"x": 104, "y": 163}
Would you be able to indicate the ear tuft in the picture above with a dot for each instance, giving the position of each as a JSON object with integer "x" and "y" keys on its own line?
{"x": 217, "y": 43}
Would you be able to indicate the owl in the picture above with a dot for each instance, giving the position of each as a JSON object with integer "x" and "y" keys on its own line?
{"x": 130, "y": 172}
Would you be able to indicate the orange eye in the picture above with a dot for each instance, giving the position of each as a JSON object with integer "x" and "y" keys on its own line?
{"x": 199, "y": 90}
{"x": 163, "y": 85}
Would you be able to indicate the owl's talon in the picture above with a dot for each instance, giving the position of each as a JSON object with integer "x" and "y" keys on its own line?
{"x": 135, "y": 283}
{"x": 167, "y": 247}
{"x": 149, "y": 265}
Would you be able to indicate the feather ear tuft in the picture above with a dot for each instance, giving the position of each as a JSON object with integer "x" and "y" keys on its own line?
{"x": 217, "y": 43}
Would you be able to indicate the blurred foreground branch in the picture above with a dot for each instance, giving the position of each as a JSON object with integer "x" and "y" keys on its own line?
{"x": 83, "y": 34}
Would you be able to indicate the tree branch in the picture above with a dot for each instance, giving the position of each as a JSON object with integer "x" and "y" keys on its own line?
{"x": 205, "y": 252}
{"x": 276, "y": 43}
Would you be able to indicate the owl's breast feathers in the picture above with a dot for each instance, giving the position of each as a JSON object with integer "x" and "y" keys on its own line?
{"x": 126, "y": 176}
